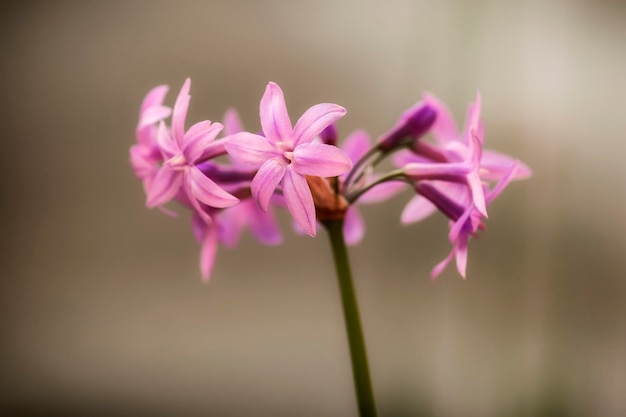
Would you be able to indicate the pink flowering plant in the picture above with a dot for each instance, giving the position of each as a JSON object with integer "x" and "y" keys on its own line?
{"x": 301, "y": 168}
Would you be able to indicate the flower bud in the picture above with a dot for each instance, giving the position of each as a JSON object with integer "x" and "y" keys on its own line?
{"x": 414, "y": 123}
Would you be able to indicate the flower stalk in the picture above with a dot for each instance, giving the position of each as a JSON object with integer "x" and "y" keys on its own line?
{"x": 358, "y": 354}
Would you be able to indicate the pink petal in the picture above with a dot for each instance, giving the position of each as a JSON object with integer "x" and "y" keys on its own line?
{"x": 478, "y": 195}
{"x": 165, "y": 143}
{"x": 353, "y": 226}
{"x": 154, "y": 97}
{"x": 266, "y": 180}
{"x": 314, "y": 120}
{"x": 417, "y": 209}
{"x": 231, "y": 223}
{"x": 187, "y": 199}
{"x": 232, "y": 122}
{"x": 461, "y": 255}
{"x": 208, "y": 192}
{"x": 180, "y": 113}
{"x": 165, "y": 184}
{"x": 153, "y": 114}
{"x": 274, "y": 117}
{"x": 263, "y": 225}
{"x": 198, "y": 227}
{"x": 249, "y": 149}
{"x": 404, "y": 157}
{"x": 198, "y": 138}
{"x": 504, "y": 181}
{"x": 208, "y": 252}
{"x": 458, "y": 226}
{"x": 494, "y": 165}
{"x": 299, "y": 201}
{"x": 356, "y": 145}
{"x": 320, "y": 160}
{"x": 444, "y": 129}
{"x": 144, "y": 165}
{"x": 437, "y": 171}
{"x": 473, "y": 123}
{"x": 382, "y": 192}
{"x": 438, "y": 269}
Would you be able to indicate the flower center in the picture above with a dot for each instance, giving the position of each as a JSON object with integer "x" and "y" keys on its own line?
{"x": 177, "y": 162}
{"x": 286, "y": 149}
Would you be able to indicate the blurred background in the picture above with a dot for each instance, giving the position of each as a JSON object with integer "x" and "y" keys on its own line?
{"x": 102, "y": 308}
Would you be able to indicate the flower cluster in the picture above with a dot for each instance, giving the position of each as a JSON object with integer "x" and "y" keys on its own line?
{"x": 231, "y": 179}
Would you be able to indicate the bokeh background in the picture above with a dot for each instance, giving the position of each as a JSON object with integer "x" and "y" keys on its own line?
{"x": 102, "y": 307}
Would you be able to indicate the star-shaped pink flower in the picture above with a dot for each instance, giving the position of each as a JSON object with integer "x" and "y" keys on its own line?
{"x": 181, "y": 152}
{"x": 286, "y": 154}
{"x": 451, "y": 148}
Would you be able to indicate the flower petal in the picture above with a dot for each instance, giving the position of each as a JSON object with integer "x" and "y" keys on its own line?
{"x": 152, "y": 115}
{"x": 266, "y": 180}
{"x": 232, "y": 122}
{"x": 314, "y": 120}
{"x": 320, "y": 160}
{"x": 208, "y": 192}
{"x": 275, "y": 120}
{"x": 154, "y": 97}
{"x": 438, "y": 269}
{"x": 299, "y": 201}
{"x": 142, "y": 162}
{"x": 478, "y": 194}
{"x": 444, "y": 129}
{"x": 180, "y": 113}
{"x": 504, "y": 181}
{"x": 164, "y": 186}
{"x": 455, "y": 171}
{"x": 381, "y": 192}
{"x": 250, "y": 149}
{"x": 405, "y": 156}
{"x": 198, "y": 138}
{"x": 459, "y": 227}
{"x": 263, "y": 225}
{"x": 494, "y": 165}
{"x": 165, "y": 143}
{"x": 230, "y": 224}
{"x": 208, "y": 252}
{"x": 353, "y": 226}
{"x": 198, "y": 227}
{"x": 473, "y": 123}
{"x": 417, "y": 209}
{"x": 460, "y": 250}
{"x": 356, "y": 145}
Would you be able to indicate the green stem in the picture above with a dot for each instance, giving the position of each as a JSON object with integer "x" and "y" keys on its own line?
{"x": 358, "y": 355}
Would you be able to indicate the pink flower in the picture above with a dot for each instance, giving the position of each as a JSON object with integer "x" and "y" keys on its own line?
{"x": 181, "y": 152}
{"x": 231, "y": 221}
{"x": 285, "y": 155}
{"x": 443, "y": 158}
{"x": 463, "y": 161}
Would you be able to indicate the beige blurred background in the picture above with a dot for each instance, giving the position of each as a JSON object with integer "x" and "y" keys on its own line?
{"x": 103, "y": 310}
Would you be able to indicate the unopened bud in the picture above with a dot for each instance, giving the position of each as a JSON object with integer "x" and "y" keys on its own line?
{"x": 413, "y": 123}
